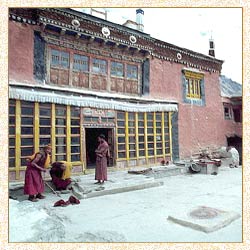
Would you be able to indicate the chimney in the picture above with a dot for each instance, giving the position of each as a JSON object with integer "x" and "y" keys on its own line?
{"x": 211, "y": 47}
{"x": 139, "y": 19}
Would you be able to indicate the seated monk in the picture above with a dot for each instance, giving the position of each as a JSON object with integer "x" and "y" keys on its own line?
{"x": 60, "y": 174}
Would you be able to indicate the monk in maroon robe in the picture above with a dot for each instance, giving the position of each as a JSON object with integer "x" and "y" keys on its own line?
{"x": 56, "y": 174}
{"x": 102, "y": 152}
{"x": 34, "y": 185}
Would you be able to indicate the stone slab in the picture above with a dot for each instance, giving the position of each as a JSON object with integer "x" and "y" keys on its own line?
{"x": 205, "y": 219}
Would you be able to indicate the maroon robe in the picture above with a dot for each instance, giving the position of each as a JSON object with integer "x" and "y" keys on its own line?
{"x": 33, "y": 178}
{"x": 56, "y": 174}
{"x": 101, "y": 161}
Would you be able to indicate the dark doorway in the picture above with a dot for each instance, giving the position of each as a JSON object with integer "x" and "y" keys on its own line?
{"x": 236, "y": 142}
{"x": 91, "y": 135}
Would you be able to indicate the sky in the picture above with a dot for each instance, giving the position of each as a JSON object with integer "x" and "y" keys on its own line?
{"x": 191, "y": 28}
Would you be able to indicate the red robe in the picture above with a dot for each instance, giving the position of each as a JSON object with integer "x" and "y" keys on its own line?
{"x": 101, "y": 161}
{"x": 33, "y": 178}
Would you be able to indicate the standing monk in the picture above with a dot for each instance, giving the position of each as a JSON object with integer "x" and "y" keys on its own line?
{"x": 34, "y": 185}
{"x": 102, "y": 152}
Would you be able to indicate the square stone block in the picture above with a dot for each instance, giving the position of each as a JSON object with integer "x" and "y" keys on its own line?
{"x": 205, "y": 219}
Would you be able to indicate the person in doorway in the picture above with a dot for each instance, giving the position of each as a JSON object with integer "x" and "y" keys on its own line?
{"x": 37, "y": 163}
{"x": 60, "y": 174}
{"x": 102, "y": 153}
{"x": 235, "y": 158}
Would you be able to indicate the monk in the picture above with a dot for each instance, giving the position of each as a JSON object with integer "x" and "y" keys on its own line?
{"x": 60, "y": 174}
{"x": 37, "y": 163}
{"x": 102, "y": 152}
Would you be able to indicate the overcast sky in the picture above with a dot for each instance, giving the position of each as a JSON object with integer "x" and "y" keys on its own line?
{"x": 191, "y": 28}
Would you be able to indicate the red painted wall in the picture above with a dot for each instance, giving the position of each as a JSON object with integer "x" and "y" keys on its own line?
{"x": 199, "y": 126}
{"x": 21, "y": 44}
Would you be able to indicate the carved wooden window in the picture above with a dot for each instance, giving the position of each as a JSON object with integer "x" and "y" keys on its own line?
{"x": 59, "y": 58}
{"x": 193, "y": 84}
{"x": 132, "y": 71}
{"x": 228, "y": 112}
{"x": 99, "y": 66}
{"x": 81, "y": 63}
{"x": 117, "y": 69}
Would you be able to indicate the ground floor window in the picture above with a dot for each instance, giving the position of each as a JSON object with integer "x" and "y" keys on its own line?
{"x": 33, "y": 125}
{"x": 142, "y": 135}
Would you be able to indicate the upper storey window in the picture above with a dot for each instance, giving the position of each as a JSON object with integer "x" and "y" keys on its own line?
{"x": 81, "y": 63}
{"x": 99, "y": 66}
{"x": 132, "y": 71}
{"x": 117, "y": 69}
{"x": 193, "y": 87}
{"x": 59, "y": 58}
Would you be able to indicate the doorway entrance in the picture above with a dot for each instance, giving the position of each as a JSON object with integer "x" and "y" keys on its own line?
{"x": 91, "y": 144}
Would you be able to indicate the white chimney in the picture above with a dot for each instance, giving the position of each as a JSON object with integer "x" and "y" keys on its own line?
{"x": 211, "y": 51}
{"x": 139, "y": 19}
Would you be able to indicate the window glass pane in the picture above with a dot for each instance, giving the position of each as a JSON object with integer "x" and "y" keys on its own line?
{"x": 150, "y": 145}
{"x": 131, "y": 130}
{"x": 81, "y": 63}
{"x": 27, "y": 120}
{"x": 131, "y": 139}
{"x": 12, "y": 130}
{"x": 75, "y": 158}
{"x": 99, "y": 66}
{"x": 158, "y": 130}
{"x": 27, "y": 141}
{"x": 131, "y": 146}
{"x": 55, "y": 57}
{"x": 12, "y": 162}
{"x": 121, "y": 155}
{"x": 141, "y": 138}
{"x": 141, "y": 130}
{"x": 60, "y": 140}
{"x": 121, "y": 123}
{"x": 121, "y": 139}
{"x": 27, "y": 151}
{"x": 121, "y": 131}
{"x": 149, "y": 116}
{"x": 27, "y": 111}
{"x": 158, "y": 116}
{"x": 61, "y": 121}
{"x": 150, "y": 152}
{"x": 121, "y": 147}
{"x": 64, "y": 59}
{"x": 45, "y": 121}
{"x": 12, "y": 110}
{"x": 142, "y": 153}
{"x": 159, "y": 152}
{"x": 12, "y": 120}
{"x": 75, "y": 122}
{"x": 23, "y": 161}
{"x": 11, "y": 152}
{"x": 121, "y": 115}
{"x": 132, "y": 154}
{"x": 75, "y": 112}
{"x": 150, "y": 130}
{"x": 60, "y": 157}
{"x": 141, "y": 146}
{"x": 60, "y": 149}
{"x": 141, "y": 116}
{"x": 60, "y": 111}
{"x": 27, "y": 130}
{"x": 117, "y": 69}
{"x": 75, "y": 130}
{"x": 75, "y": 149}
{"x": 75, "y": 140}
{"x": 44, "y": 141}
{"x": 45, "y": 111}
{"x": 12, "y": 141}
{"x": 132, "y": 71}
{"x": 61, "y": 131}
{"x": 45, "y": 131}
